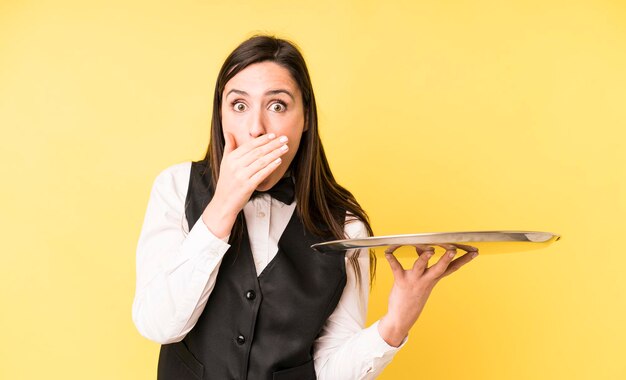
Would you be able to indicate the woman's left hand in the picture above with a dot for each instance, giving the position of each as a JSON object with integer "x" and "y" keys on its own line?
{"x": 411, "y": 287}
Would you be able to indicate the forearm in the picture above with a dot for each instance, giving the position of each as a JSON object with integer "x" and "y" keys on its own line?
{"x": 219, "y": 217}
{"x": 394, "y": 327}
{"x": 176, "y": 271}
{"x": 345, "y": 349}
{"x": 362, "y": 357}
{"x": 173, "y": 286}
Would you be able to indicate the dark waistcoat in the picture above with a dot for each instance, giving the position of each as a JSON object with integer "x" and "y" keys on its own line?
{"x": 257, "y": 327}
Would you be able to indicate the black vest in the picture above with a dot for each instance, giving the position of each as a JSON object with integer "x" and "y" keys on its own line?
{"x": 257, "y": 327}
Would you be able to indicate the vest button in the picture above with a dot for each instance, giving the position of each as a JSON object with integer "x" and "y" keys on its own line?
{"x": 241, "y": 340}
{"x": 250, "y": 294}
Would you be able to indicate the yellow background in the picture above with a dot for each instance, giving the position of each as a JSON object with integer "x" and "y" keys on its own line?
{"x": 438, "y": 115}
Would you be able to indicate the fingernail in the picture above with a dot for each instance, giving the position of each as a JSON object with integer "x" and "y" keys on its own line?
{"x": 283, "y": 139}
{"x": 277, "y": 161}
{"x": 474, "y": 254}
{"x": 271, "y": 136}
{"x": 284, "y": 148}
{"x": 452, "y": 254}
{"x": 429, "y": 254}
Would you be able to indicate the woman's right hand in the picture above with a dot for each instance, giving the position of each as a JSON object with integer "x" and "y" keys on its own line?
{"x": 242, "y": 169}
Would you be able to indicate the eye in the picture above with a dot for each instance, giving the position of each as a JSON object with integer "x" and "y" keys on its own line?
{"x": 239, "y": 106}
{"x": 278, "y": 107}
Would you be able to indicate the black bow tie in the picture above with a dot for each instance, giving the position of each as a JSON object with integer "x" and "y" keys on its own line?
{"x": 283, "y": 191}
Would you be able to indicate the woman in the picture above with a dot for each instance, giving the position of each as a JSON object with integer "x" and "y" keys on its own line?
{"x": 226, "y": 279}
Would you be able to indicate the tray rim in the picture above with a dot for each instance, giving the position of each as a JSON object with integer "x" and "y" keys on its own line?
{"x": 431, "y": 238}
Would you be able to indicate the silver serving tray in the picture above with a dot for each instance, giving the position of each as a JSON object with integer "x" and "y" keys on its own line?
{"x": 484, "y": 241}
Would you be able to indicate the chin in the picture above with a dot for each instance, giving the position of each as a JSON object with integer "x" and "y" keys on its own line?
{"x": 268, "y": 183}
{"x": 272, "y": 180}
{"x": 263, "y": 186}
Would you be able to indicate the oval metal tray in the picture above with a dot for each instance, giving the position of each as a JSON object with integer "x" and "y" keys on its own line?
{"x": 487, "y": 242}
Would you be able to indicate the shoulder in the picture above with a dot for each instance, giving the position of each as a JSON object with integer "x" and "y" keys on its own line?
{"x": 175, "y": 171}
{"x": 174, "y": 178}
{"x": 354, "y": 228}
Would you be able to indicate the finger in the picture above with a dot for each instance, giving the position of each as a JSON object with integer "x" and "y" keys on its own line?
{"x": 421, "y": 263}
{"x": 425, "y": 252}
{"x": 458, "y": 263}
{"x": 421, "y": 248}
{"x": 278, "y": 145}
{"x": 447, "y": 247}
{"x": 264, "y": 172}
{"x": 264, "y": 160}
{"x": 466, "y": 248}
{"x": 246, "y": 147}
{"x": 396, "y": 267}
{"x": 437, "y": 270}
{"x": 392, "y": 248}
{"x": 229, "y": 143}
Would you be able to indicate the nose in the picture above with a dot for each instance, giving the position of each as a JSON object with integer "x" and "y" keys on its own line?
{"x": 257, "y": 124}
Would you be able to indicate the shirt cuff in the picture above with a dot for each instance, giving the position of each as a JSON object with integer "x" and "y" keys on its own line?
{"x": 379, "y": 347}
{"x": 201, "y": 239}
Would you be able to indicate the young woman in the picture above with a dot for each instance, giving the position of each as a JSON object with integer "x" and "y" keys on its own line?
{"x": 226, "y": 279}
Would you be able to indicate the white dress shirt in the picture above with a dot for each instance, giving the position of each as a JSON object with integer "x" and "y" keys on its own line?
{"x": 177, "y": 270}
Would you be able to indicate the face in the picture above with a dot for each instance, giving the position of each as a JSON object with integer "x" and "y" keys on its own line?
{"x": 263, "y": 98}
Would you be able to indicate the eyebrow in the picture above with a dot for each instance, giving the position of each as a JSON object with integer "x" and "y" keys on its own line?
{"x": 270, "y": 92}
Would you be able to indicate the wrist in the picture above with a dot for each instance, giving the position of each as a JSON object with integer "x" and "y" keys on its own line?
{"x": 392, "y": 332}
{"x": 219, "y": 219}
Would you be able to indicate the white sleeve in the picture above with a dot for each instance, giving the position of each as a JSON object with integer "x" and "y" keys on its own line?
{"x": 345, "y": 349}
{"x": 176, "y": 271}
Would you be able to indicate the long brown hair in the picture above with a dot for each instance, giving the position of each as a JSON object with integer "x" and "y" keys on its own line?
{"x": 321, "y": 202}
